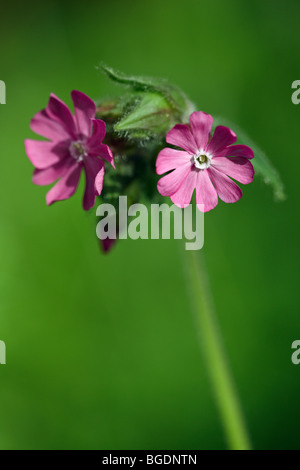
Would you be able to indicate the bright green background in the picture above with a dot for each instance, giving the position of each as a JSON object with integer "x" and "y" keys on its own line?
{"x": 101, "y": 350}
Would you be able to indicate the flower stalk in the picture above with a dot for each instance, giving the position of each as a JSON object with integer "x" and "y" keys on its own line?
{"x": 211, "y": 343}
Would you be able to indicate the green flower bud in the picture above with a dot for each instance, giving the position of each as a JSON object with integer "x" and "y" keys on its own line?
{"x": 149, "y": 109}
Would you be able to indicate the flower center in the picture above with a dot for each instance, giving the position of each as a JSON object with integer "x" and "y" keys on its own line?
{"x": 77, "y": 150}
{"x": 202, "y": 160}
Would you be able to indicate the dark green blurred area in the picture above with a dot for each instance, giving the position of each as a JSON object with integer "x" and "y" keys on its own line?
{"x": 101, "y": 350}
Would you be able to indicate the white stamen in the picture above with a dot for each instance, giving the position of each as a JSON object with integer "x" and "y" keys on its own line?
{"x": 77, "y": 150}
{"x": 202, "y": 160}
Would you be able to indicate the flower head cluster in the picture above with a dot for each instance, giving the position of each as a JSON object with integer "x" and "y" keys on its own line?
{"x": 75, "y": 144}
{"x": 197, "y": 160}
{"x": 206, "y": 163}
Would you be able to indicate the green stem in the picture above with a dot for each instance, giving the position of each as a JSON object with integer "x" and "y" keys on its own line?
{"x": 215, "y": 356}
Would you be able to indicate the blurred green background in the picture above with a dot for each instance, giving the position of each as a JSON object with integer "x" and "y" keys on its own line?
{"x": 101, "y": 350}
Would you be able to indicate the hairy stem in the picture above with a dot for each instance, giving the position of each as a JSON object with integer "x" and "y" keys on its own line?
{"x": 212, "y": 345}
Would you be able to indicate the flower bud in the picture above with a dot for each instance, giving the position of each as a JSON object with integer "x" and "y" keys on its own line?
{"x": 149, "y": 109}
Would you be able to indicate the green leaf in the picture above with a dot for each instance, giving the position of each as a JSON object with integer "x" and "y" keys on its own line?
{"x": 262, "y": 164}
{"x": 173, "y": 94}
{"x": 152, "y": 114}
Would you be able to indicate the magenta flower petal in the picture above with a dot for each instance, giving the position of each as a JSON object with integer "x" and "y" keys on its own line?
{"x": 238, "y": 168}
{"x": 201, "y": 124}
{"x": 181, "y": 136}
{"x": 206, "y": 194}
{"x": 60, "y": 112}
{"x": 99, "y": 131}
{"x": 51, "y": 174}
{"x": 222, "y": 137}
{"x": 227, "y": 189}
{"x": 168, "y": 159}
{"x": 208, "y": 168}
{"x": 85, "y": 110}
{"x": 94, "y": 174}
{"x": 76, "y": 145}
{"x": 43, "y": 154}
{"x": 45, "y": 126}
{"x": 170, "y": 183}
{"x": 236, "y": 151}
{"x": 183, "y": 196}
{"x": 102, "y": 151}
{"x": 99, "y": 181}
{"x": 66, "y": 186}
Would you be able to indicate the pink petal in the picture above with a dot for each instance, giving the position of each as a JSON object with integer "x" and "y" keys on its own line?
{"x": 85, "y": 110}
{"x": 43, "y": 125}
{"x": 43, "y": 154}
{"x": 94, "y": 174}
{"x": 99, "y": 132}
{"x": 236, "y": 151}
{"x": 169, "y": 159}
{"x": 201, "y": 124}
{"x": 169, "y": 184}
{"x": 66, "y": 186}
{"x": 206, "y": 195}
{"x": 238, "y": 168}
{"x": 181, "y": 136}
{"x": 183, "y": 196}
{"x": 59, "y": 111}
{"x": 222, "y": 137}
{"x": 51, "y": 174}
{"x": 227, "y": 190}
{"x": 99, "y": 181}
{"x": 102, "y": 151}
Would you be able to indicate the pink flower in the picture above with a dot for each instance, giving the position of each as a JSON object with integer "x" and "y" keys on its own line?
{"x": 75, "y": 143}
{"x": 206, "y": 164}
